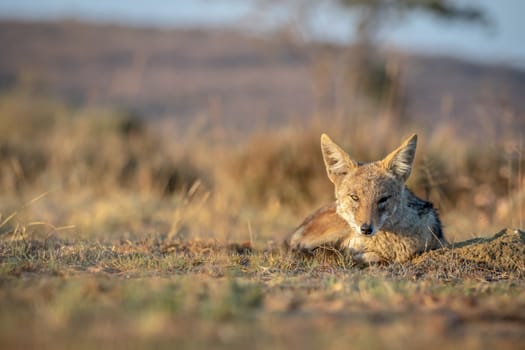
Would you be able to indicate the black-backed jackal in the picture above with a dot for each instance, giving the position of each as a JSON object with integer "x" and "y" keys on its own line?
{"x": 375, "y": 217}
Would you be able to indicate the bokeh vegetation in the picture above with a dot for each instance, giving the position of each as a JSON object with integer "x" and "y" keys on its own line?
{"x": 101, "y": 169}
{"x": 122, "y": 230}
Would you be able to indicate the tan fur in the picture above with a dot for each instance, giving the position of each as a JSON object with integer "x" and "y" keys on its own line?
{"x": 375, "y": 218}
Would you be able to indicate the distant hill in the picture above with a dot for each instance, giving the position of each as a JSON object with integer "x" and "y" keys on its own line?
{"x": 240, "y": 79}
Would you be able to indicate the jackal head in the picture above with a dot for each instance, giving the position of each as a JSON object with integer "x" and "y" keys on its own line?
{"x": 368, "y": 194}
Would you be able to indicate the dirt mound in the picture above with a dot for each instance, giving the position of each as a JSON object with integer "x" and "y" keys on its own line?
{"x": 499, "y": 256}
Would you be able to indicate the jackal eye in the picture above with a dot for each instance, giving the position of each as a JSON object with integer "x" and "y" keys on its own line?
{"x": 382, "y": 200}
{"x": 354, "y": 197}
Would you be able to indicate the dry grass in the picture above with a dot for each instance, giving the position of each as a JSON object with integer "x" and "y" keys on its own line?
{"x": 157, "y": 292}
{"x": 115, "y": 233}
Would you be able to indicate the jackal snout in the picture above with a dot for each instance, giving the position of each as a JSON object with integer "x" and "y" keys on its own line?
{"x": 366, "y": 215}
{"x": 366, "y": 229}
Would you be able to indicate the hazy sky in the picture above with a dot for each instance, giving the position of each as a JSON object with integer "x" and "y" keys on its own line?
{"x": 502, "y": 42}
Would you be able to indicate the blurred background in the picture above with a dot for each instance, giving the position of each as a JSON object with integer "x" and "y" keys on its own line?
{"x": 202, "y": 118}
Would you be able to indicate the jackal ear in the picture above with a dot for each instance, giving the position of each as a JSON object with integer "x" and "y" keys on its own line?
{"x": 399, "y": 162}
{"x": 336, "y": 161}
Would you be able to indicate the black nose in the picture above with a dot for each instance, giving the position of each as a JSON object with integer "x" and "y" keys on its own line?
{"x": 366, "y": 229}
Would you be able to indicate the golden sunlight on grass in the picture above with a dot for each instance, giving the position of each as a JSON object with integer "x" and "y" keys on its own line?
{"x": 121, "y": 231}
